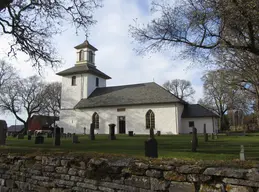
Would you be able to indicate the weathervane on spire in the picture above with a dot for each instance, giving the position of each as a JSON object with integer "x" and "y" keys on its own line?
{"x": 86, "y": 36}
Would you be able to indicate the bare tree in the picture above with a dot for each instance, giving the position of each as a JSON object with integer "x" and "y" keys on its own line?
{"x": 242, "y": 70}
{"x": 201, "y": 26}
{"x": 7, "y": 74}
{"x": 221, "y": 96}
{"x": 52, "y": 99}
{"x": 180, "y": 88}
{"x": 33, "y": 23}
{"x": 24, "y": 96}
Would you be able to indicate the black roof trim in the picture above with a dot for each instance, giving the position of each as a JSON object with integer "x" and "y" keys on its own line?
{"x": 197, "y": 110}
{"x": 85, "y": 44}
{"x": 83, "y": 68}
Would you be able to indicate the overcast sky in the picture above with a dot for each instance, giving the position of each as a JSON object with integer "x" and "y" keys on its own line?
{"x": 116, "y": 56}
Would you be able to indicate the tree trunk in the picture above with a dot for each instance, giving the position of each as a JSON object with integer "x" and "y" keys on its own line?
{"x": 26, "y": 124}
{"x": 257, "y": 109}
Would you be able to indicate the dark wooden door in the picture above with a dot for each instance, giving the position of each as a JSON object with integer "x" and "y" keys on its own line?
{"x": 122, "y": 125}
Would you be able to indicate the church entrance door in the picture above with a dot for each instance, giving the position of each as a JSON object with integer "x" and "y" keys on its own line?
{"x": 122, "y": 124}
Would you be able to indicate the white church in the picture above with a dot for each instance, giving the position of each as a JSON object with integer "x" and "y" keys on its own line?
{"x": 86, "y": 99}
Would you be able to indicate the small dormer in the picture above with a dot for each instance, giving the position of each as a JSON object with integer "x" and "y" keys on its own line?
{"x": 85, "y": 53}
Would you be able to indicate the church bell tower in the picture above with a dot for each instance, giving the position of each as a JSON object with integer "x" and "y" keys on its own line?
{"x": 79, "y": 81}
{"x": 85, "y": 53}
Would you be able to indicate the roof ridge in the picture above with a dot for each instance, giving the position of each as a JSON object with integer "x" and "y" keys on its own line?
{"x": 125, "y": 85}
{"x": 171, "y": 93}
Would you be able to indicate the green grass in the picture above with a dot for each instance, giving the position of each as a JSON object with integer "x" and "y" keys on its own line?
{"x": 179, "y": 146}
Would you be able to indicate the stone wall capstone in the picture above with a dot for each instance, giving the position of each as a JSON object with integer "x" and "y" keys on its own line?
{"x": 66, "y": 172}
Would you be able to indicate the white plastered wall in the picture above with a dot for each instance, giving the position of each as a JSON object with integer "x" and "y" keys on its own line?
{"x": 91, "y": 81}
{"x": 85, "y": 85}
{"x": 166, "y": 119}
{"x": 199, "y": 124}
{"x": 180, "y": 108}
{"x": 71, "y": 95}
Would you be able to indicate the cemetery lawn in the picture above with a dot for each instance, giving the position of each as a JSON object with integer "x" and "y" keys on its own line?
{"x": 176, "y": 146}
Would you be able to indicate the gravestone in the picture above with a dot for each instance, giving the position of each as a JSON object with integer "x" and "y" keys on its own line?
{"x": 194, "y": 139}
{"x": 39, "y": 139}
{"x": 242, "y": 153}
{"x": 151, "y": 145}
{"x": 130, "y": 133}
{"x": 84, "y": 130}
{"x": 20, "y": 136}
{"x": 49, "y": 135}
{"x": 91, "y": 135}
{"x": 205, "y": 134}
{"x": 29, "y": 133}
{"x": 75, "y": 138}
{"x": 56, "y": 136}
{"x": 212, "y": 136}
{"x": 158, "y": 133}
{"x": 3, "y": 130}
{"x": 112, "y": 132}
{"x": 151, "y": 133}
{"x": 52, "y": 130}
{"x": 61, "y": 130}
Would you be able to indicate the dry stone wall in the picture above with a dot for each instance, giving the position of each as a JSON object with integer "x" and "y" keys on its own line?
{"x": 58, "y": 173}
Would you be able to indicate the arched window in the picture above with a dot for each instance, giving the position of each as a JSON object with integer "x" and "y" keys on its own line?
{"x": 73, "y": 82}
{"x": 90, "y": 57}
{"x": 95, "y": 120}
{"x": 150, "y": 119}
{"x": 81, "y": 55}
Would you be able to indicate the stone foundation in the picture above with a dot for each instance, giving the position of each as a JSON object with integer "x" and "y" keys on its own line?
{"x": 62, "y": 172}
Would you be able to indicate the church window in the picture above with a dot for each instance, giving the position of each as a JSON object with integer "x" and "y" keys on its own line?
{"x": 73, "y": 82}
{"x": 150, "y": 119}
{"x": 95, "y": 120}
{"x": 97, "y": 82}
{"x": 191, "y": 123}
{"x": 91, "y": 57}
{"x": 81, "y": 55}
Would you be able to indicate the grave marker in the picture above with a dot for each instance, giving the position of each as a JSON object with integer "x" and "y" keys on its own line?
{"x": 194, "y": 139}
{"x": 29, "y": 133}
{"x": 56, "y": 136}
{"x": 39, "y": 139}
{"x": 49, "y": 135}
{"x": 3, "y": 130}
{"x": 242, "y": 153}
{"x": 205, "y": 134}
{"x": 20, "y": 136}
{"x": 61, "y": 130}
{"x": 92, "y": 136}
{"x": 112, "y": 132}
{"x": 131, "y": 134}
{"x": 75, "y": 138}
{"x": 84, "y": 130}
{"x": 158, "y": 133}
{"x": 151, "y": 133}
{"x": 151, "y": 145}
